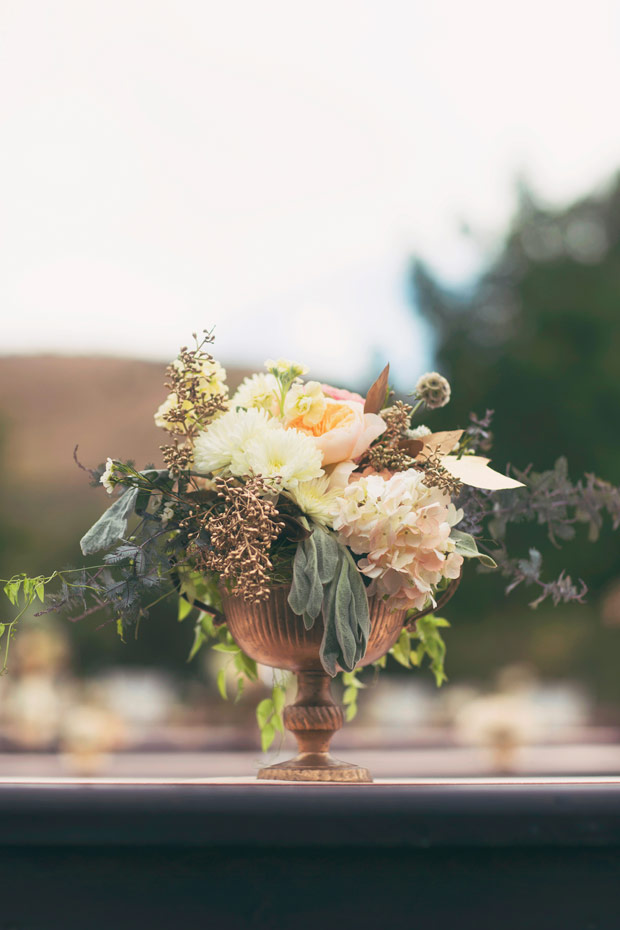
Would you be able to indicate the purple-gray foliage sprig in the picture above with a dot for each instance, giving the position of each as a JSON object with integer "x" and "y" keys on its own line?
{"x": 548, "y": 498}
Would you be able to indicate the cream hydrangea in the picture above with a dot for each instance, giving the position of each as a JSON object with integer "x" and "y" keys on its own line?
{"x": 222, "y": 446}
{"x": 286, "y": 454}
{"x": 402, "y": 528}
{"x": 261, "y": 390}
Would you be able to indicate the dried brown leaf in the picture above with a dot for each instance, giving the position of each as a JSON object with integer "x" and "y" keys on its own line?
{"x": 375, "y": 399}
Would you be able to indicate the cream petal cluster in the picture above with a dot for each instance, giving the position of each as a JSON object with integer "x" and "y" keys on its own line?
{"x": 260, "y": 390}
{"x": 402, "y": 528}
{"x": 305, "y": 401}
{"x": 211, "y": 381}
{"x": 222, "y": 446}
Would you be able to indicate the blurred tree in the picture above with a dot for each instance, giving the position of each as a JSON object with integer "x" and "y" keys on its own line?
{"x": 537, "y": 338}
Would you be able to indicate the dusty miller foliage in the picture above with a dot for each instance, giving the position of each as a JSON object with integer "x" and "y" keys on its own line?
{"x": 551, "y": 500}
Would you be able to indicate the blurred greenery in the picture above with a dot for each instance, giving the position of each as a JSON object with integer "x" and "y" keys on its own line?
{"x": 536, "y": 338}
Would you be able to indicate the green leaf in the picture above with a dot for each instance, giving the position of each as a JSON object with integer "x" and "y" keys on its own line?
{"x": 11, "y": 589}
{"x": 267, "y": 736}
{"x": 466, "y": 546}
{"x": 185, "y": 608}
{"x": 199, "y": 641}
{"x": 264, "y": 712}
{"x": 350, "y": 712}
{"x": 111, "y": 526}
{"x": 246, "y": 666}
{"x": 40, "y": 590}
{"x": 277, "y": 722}
{"x": 350, "y": 695}
{"x": 279, "y": 699}
{"x": 401, "y": 649}
{"x": 221, "y": 683}
{"x": 2, "y": 629}
{"x": 228, "y": 648}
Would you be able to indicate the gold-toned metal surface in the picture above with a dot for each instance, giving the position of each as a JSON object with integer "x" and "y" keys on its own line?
{"x": 273, "y": 635}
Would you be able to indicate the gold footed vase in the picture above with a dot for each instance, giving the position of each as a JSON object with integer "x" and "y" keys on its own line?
{"x": 273, "y": 635}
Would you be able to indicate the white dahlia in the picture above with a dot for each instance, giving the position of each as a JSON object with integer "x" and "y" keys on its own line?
{"x": 286, "y": 454}
{"x": 261, "y": 390}
{"x": 316, "y": 499}
{"x": 223, "y": 444}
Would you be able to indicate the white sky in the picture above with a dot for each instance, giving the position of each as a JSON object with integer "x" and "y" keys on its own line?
{"x": 269, "y": 166}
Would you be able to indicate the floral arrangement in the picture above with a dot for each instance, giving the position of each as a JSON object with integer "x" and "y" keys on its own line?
{"x": 341, "y": 497}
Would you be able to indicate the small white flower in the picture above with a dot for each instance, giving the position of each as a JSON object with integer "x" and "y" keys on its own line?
{"x": 418, "y": 432}
{"x": 106, "y": 479}
{"x": 167, "y": 514}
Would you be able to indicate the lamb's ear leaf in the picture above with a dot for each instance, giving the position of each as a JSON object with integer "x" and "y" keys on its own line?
{"x": 306, "y": 594}
{"x": 377, "y": 395}
{"x": 328, "y": 551}
{"x": 111, "y": 525}
{"x": 346, "y": 618}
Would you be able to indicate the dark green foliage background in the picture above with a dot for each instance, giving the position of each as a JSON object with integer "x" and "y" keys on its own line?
{"x": 537, "y": 339}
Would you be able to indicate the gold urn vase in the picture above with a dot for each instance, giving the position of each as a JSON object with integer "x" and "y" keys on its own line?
{"x": 273, "y": 635}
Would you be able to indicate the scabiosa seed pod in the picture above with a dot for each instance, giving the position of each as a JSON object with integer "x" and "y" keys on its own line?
{"x": 433, "y": 389}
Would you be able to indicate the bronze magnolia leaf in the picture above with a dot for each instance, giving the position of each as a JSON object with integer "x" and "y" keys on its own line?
{"x": 375, "y": 399}
{"x": 411, "y": 446}
{"x": 440, "y": 443}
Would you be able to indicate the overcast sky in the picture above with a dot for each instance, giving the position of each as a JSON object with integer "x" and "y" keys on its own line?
{"x": 269, "y": 166}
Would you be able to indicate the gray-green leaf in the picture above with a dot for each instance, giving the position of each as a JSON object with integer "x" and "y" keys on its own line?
{"x": 111, "y": 526}
{"x": 466, "y": 546}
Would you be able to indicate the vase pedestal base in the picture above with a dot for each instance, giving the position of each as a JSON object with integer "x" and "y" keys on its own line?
{"x": 316, "y": 766}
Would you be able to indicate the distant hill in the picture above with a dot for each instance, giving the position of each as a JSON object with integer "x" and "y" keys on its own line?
{"x": 50, "y": 404}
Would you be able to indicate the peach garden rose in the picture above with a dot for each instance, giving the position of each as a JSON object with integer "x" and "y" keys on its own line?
{"x": 344, "y": 431}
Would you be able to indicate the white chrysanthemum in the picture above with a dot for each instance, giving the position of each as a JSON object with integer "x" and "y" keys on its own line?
{"x": 106, "y": 478}
{"x": 261, "y": 390}
{"x": 316, "y": 499}
{"x": 288, "y": 454}
{"x": 223, "y": 445}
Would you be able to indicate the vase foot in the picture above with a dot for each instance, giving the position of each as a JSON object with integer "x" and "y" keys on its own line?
{"x": 316, "y": 766}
